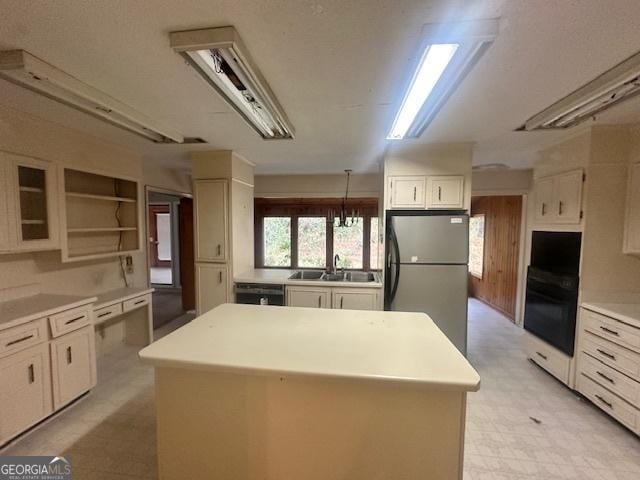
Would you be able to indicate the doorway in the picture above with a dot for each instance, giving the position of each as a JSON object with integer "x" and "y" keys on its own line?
{"x": 170, "y": 254}
{"x": 495, "y": 228}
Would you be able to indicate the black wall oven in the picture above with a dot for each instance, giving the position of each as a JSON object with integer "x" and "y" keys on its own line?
{"x": 552, "y": 288}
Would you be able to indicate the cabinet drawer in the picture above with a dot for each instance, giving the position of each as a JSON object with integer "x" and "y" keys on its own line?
{"x": 23, "y": 336}
{"x": 609, "y": 402}
{"x": 610, "y": 378}
{"x": 105, "y": 313}
{"x": 611, "y": 329}
{"x": 613, "y": 355}
{"x": 25, "y": 396}
{"x": 549, "y": 358}
{"x": 137, "y": 302}
{"x": 69, "y": 321}
{"x": 73, "y": 365}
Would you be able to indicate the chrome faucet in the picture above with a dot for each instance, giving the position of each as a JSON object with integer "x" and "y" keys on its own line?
{"x": 336, "y": 259}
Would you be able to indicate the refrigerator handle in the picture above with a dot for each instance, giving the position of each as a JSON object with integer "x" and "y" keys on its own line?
{"x": 393, "y": 286}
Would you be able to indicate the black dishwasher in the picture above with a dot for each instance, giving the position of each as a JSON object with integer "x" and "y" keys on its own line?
{"x": 260, "y": 293}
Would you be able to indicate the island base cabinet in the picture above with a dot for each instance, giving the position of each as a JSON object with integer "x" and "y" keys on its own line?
{"x": 73, "y": 365}
{"x": 219, "y": 426}
{"x": 25, "y": 396}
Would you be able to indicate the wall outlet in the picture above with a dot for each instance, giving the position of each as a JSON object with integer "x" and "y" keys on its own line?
{"x": 129, "y": 264}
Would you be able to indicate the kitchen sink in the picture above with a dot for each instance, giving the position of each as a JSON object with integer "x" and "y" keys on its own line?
{"x": 359, "y": 277}
{"x": 333, "y": 277}
{"x": 307, "y": 275}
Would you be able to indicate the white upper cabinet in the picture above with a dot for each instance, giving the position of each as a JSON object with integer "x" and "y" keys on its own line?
{"x": 558, "y": 198}
{"x": 632, "y": 218}
{"x": 29, "y": 201}
{"x": 445, "y": 192}
{"x": 407, "y": 191}
{"x": 211, "y": 220}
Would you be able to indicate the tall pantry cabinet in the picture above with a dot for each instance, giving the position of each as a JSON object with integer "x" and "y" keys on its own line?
{"x": 223, "y": 222}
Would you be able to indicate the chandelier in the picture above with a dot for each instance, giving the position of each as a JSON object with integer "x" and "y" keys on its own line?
{"x": 346, "y": 219}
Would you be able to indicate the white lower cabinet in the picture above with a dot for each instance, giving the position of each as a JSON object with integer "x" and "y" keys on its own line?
{"x": 550, "y": 358}
{"x": 355, "y": 298}
{"x": 333, "y": 297}
{"x": 25, "y": 395}
{"x": 211, "y": 286}
{"x": 310, "y": 297}
{"x": 73, "y": 365}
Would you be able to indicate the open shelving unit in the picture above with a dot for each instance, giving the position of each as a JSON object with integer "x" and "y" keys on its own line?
{"x": 101, "y": 216}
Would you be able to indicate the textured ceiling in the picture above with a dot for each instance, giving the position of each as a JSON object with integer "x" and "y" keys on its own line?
{"x": 337, "y": 68}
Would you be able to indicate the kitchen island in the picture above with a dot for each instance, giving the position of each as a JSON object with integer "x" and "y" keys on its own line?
{"x": 274, "y": 393}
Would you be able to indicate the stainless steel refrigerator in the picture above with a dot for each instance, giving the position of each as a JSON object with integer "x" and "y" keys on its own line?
{"x": 426, "y": 268}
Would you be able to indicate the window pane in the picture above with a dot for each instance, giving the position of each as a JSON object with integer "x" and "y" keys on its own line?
{"x": 476, "y": 245}
{"x": 277, "y": 241}
{"x": 312, "y": 242}
{"x": 347, "y": 243}
{"x": 374, "y": 254}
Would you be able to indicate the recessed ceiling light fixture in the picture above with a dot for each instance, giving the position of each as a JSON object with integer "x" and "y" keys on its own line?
{"x": 221, "y": 58}
{"x": 612, "y": 87}
{"x": 22, "y": 68}
{"x": 448, "y": 52}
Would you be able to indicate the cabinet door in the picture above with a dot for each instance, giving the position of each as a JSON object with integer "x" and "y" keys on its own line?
{"x": 355, "y": 299}
{"x": 25, "y": 396}
{"x": 35, "y": 204}
{"x": 407, "y": 191}
{"x": 545, "y": 211}
{"x": 445, "y": 192}
{"x": 309, "y": 297}
{"x": 568, "y": 197}
{"x": 7, "y": 220}
{"x": 211, "y": 220}
{"x": 73, "y": 365}
{"x": 211, "y": 286}
{"x": 632, "y": 219}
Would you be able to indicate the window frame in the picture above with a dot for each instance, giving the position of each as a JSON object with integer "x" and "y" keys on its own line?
{"x": 311, "y": 207}
{"x": 472, "y": 272}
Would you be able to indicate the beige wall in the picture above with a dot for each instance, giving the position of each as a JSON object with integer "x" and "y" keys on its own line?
{"x": 607, "y": 273}
{"x": 176, "y": 179}
{"x": 302, "y": 186}
{"x": 503, "y": 182}
{"x": 27, "y": 135}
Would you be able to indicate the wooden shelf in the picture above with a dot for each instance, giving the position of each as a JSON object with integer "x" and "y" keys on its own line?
{"x": 32, "y": 189}
{"x": 101, "y": 197}
{"x": 32, "y": 222}
{"x": 102, "y": 229}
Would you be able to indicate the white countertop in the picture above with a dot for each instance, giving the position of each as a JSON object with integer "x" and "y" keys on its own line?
{"x": 625, "y": 312}
{"x": 392, "y": 347}
{"x": 118, "y": 295}
{"x": 281, "y": 276}
{"x": 25, "y": 309}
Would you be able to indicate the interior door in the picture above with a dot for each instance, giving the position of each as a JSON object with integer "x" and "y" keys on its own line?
{"x": 187, "y": 259}
{"x": 159, "y": 214}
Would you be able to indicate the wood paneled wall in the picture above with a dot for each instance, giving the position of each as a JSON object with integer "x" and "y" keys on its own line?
{"x": 499, "y": 283}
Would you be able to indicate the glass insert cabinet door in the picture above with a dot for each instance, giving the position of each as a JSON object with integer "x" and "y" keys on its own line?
{"x": 34, "y": 188}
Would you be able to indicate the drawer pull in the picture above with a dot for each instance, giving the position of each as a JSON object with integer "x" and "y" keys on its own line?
{"x": 544, "y": 357}
{"x": 606, "y": 354}
{"x": 32, "y": 373}
{"x": 608, "y": 330}
{"x": 19, "y": 340}
{"x": 341, "y": 301}
{"x": 319, "y": 301}
{"x": 139, "y": 302}
{"x": 73, "y": 320}
{"x": 607, "y": 378}
{"x": 608, "y": 404}
{"x": 69, "y": 356}
{"x": 105, "y": 314}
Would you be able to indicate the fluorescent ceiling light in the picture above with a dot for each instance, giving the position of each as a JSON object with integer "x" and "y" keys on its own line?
{"x": 449, "y": 51}
{"x": 612, "y": 87}
{"x": 22, "y": 68}
{"x": 221, "y": 58}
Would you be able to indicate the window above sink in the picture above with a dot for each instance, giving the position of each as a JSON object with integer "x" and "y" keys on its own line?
{"x": 303, "y": 234}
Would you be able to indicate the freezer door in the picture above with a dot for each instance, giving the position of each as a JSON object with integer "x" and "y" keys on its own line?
{"x": 432, "y": 238}
{"x": 440, "y": 291}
